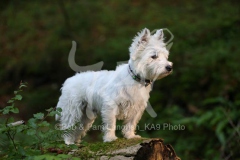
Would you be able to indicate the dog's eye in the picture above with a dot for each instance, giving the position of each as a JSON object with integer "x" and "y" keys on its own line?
{"x": 154, "y": 57}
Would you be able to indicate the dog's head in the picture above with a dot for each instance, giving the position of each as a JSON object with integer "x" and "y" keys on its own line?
{"x": 149, "y": 56}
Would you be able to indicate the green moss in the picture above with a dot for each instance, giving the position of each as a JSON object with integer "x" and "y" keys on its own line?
{"x": 109, "y": 146}
{"x": 93, "y": 150}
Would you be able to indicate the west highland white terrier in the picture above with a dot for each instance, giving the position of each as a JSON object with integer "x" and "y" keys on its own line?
{"x": 121, "y": 94}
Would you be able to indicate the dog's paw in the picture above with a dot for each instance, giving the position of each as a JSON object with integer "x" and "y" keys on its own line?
{"x": 68, "y": 142}
{"x": 77, "y": 142}
{"x": 132, "y": 136}
{"x": 109, "y": 138}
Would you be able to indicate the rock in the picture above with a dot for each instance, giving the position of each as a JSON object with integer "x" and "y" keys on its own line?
{"x": 122, "y": 149}
{"x": 129, "y": 151}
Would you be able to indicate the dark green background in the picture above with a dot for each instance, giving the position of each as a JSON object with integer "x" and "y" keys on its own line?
{"x": 202, "y": 94}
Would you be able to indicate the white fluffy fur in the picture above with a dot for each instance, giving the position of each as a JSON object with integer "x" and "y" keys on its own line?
{"x": 113, "y": 94}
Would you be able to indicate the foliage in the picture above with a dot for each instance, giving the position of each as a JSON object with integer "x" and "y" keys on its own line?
{"x": 214, "y": 133}
{"x": 20, "y": 140}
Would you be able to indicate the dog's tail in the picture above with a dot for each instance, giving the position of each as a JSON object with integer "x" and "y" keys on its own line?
{"x": 71, "y": 110}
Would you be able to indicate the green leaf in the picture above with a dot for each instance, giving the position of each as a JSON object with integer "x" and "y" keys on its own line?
{"x": 7, "y": 109}
{"x": 22, "y": 85}
{"x": 10, "y": 120}
{"x": 73, "y": 146}
{"x": 216, "y": 118}
{"x": 50, "y": 109}
{"x": 50, "y": 157}
{"x": 221, "y": 137}
{"x": 3, "y": 128}
{"x": 64, "y": 156}
{"x": 31, "y": 132}
{"x": 44, "y": 124}
{"x": 21, "y": 150}
{"x": 204, "y": 118}
{"x": 14, "y": 110}
{"x": 221, "y": 125}
{"x": 53, "y": 113}
{"x": 10, "y": 101}
{"x": 213, "y": 100}
{"x": 43, "y": 135}
{"x": 20, "y": 128}
{"x": 30, "y": 151}
{"x": 18, "y": 97}
{"x": 39, "y": 115}
{"x": 59, "y": 109}
{"x": 32, "y": 123}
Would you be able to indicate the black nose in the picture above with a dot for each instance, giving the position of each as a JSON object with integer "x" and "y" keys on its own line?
{"x": 168, "y": 68}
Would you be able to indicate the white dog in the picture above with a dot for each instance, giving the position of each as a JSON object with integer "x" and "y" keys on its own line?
{"x": 121, "y": 94}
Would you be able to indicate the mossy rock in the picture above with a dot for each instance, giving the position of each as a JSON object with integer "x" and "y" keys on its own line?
{"x": 99, "y": 150}
{"x": 123, "y": 149}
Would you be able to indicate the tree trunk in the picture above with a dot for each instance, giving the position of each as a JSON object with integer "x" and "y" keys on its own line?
{"x": 156, "y": 150}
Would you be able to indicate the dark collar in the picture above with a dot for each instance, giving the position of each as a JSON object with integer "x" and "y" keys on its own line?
{"x": 137, "y": 78}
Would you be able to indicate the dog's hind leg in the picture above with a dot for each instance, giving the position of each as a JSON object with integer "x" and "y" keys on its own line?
{"x": 71, "y": 114}
{"x": 87, "y": 119}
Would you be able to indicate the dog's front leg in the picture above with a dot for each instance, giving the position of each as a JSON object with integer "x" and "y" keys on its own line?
{"x": 130, "y": 126}
{"x": 109, "y": 125}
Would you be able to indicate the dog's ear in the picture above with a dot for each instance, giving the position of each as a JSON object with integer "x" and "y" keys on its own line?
{"x": 159, "y": 34}
{"x": 144, "y": 36}
{"x": 139, "y": 42}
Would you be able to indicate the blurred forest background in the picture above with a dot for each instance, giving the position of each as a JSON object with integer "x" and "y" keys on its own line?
{"x": 202, "y": 94}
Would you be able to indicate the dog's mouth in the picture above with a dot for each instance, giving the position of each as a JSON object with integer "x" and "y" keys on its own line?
{"x": 164, "y": 74}
{"x": 170, "y": 72}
